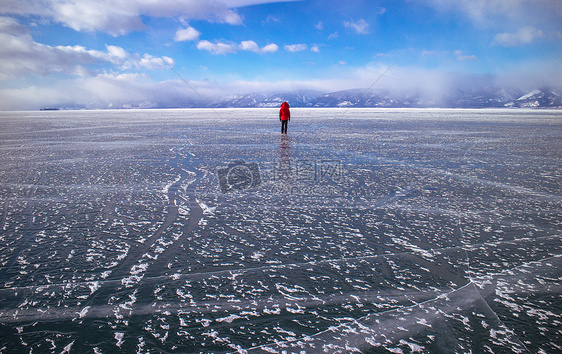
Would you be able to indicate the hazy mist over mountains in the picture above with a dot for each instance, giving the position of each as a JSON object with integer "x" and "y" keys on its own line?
{"x": 459, "y": 98}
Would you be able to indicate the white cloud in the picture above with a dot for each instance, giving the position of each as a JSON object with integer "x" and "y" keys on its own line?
{"x": 221, "y": 48}
{"x": 270, "y": 48}
{"x": 361, "y": 26}
{"x": 99, "y": 91}
{"x": 187, "y": 34}
{"x": 122, "y": 17}
{"x": 480, "y": 9}
{"x": 426, "y": 53}
{"x": 120, "y": 89}
{"x": 461, "y": 56}
{"x": 333, "y": 35}
{"x": 467, "y": 58}
{"x": 319, "y": 26}
{"x": 217, "y": 47}
{"x": 495, "y": 12}
{"x": 532, "y": 74}
{"x": 315, "y": 49}
{"x": 525, "y": 35}
{"x": 250, "y": 46}
{"x": 295, "y": 47}
{"x": 117, "y": 52}
{"x": 22, "y": 56}
{"x": 114, "y": 17}
{"x": 151, "y": 63}
{"x": 9, "y": 26}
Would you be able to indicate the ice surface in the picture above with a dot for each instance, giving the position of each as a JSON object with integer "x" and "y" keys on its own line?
{"x": 377, "y": 231}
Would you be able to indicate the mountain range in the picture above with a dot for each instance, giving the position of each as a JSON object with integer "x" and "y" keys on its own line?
{"x": 480, "y": 98}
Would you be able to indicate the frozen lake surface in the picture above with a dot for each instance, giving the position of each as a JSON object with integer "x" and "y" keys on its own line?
{"x": 207, "y": 231}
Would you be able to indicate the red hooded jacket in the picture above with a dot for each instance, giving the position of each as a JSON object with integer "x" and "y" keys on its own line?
{"x": 284, "y": 113}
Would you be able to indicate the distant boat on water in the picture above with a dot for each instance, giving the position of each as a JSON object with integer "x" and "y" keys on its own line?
{"x": 49, "y": 109}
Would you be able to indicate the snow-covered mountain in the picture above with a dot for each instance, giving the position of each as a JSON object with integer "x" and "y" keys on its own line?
{"x": 301, "y": 98}
{"x": 239, "y": 101}
{"x": 539, "y": 98}
{"x": 491, "y": 97}
{"x": 479, "y": 98}
{"x": 362, "y": 98}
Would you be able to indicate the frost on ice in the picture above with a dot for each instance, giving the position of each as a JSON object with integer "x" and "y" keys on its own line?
{"x": 398, "y": 231}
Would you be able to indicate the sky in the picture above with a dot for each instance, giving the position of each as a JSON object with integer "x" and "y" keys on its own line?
{"x": 113, "y": 54}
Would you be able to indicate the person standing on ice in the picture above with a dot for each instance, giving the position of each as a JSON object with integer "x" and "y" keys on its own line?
{"x": 284, "y": 117}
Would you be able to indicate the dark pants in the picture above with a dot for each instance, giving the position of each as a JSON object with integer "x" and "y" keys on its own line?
{"x": 284, "y": 126}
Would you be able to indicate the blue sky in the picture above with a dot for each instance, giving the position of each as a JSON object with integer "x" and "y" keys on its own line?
{"x": 106, "y": 53}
